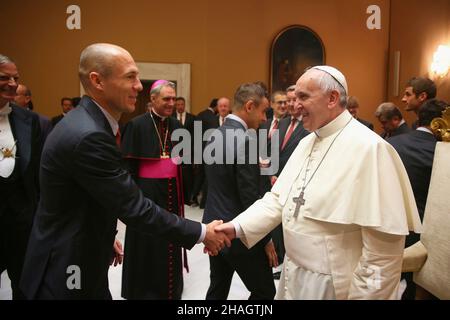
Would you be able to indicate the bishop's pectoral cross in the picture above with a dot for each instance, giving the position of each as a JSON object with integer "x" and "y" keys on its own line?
{"x": 299, "y": 201}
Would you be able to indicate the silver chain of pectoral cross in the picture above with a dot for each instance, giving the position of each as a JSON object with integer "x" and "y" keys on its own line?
{"x": 300, "y": 200}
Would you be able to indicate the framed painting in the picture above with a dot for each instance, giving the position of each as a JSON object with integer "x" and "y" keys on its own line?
{"x": 293, "y": 50}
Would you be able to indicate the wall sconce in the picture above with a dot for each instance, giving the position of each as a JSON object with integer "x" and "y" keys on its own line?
{"x": 441, "y": 61}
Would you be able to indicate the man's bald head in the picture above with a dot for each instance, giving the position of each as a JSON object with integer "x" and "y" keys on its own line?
{"x": 110, "y": 76}
{"x": 100, "y": 58}
{"x": 23, "y": 96}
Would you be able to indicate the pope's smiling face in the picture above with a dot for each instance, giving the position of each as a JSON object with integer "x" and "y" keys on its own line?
{"x": 312, "y": 101}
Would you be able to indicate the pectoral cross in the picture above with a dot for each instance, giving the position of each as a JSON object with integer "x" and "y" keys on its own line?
{"x": 7, "y": 153}
{"x": 164, "y": 155}
{"x": 299, "y": 201}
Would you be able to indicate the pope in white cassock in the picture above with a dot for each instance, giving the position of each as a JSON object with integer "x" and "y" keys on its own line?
{"x": 344, "y": 199}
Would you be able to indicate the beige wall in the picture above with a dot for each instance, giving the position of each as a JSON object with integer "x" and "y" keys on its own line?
{"x": 226, "y": 42}
{"x": 417, "y": 28}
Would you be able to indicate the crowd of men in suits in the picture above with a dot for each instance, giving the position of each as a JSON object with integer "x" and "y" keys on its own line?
{"x": 22, "y": 136}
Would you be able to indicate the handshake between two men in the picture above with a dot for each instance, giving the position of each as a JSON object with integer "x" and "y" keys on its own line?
{"x": 218, "y": 234}
{"x": 223, "y": 233}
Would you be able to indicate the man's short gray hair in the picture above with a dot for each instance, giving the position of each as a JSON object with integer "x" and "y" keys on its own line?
{"x": 388, "y": 110}
{"x": 4, "y": 59}
{"x": 246, "y": 92}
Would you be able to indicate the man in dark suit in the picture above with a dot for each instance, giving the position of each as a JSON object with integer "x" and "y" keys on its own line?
{"x": 291, "y": 130}
{"x": 416, "y": 149}
{"x": 232, "y": 188}
{"x": 186, "y": 118}
{"x": 223, "y": 110}
{"x": 19, "y": 164}
{"x": 85, "y": 189}
{"x": 208, "y": 120}
{"x": 66, "y": 106}
{"x": 208, "y": 116}
{"x": 23, "y": 99}
{"x": 187, "y": 121}
{"x": 353, "y": 107}
{"x": 391, "y": 120}
{"x": 278, "y": 102}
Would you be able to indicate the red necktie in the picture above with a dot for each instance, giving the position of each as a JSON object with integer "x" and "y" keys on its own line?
{"x": 118, "y": 138}
{"x": 275, "y": 126}
{"x": 289, "y": 133}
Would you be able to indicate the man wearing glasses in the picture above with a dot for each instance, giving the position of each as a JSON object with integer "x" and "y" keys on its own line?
{"x": 19, "y": 162}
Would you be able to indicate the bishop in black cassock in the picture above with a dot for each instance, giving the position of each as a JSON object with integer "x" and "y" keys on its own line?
{"x": 153, "y": 267}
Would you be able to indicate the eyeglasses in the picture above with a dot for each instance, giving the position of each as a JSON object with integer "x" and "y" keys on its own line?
{"x": 167, "y": 99}
{"x": 6, "y": 78}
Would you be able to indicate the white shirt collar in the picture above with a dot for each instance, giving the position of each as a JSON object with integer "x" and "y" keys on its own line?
{"x": 424, "y": 129}
{"x": 162, "y": 117}
{"x": 235, "y": 117}
{"x": 112, "y": 122}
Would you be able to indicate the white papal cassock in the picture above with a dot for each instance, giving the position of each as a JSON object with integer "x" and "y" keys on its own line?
{"x": 348, "y": 238}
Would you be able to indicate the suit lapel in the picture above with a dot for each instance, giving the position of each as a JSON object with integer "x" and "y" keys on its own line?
{"x": 21, "y": 127}
{"x": 95, "y": 112}
{"x": 283, "y": 128}
{"x": 295, "y": 137}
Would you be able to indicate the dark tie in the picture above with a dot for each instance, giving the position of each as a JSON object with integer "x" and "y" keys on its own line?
{"x": 118, "y": 138}
{"x": 289, "y": 133}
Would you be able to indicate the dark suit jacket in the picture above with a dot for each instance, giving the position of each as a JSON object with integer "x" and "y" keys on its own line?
{"x": 269, "y": 113}
{"x": 188, "y": 122}
{"x": 56, "y": 119}
{"x": 26, "y": 131}
{"x": 366, "y": 123}
{"x": 209, "y": 119}
{"x": 299, "y": 133}
{"x": 266, "y": 124}
{"x": 416, "y": 149}
{"x": 189, "y": 126}
{"x": 46, "y": 127}
{"x": 84, "y": 191}
{"x": 400, "y": 130}
{"x": 232, "y": 188}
